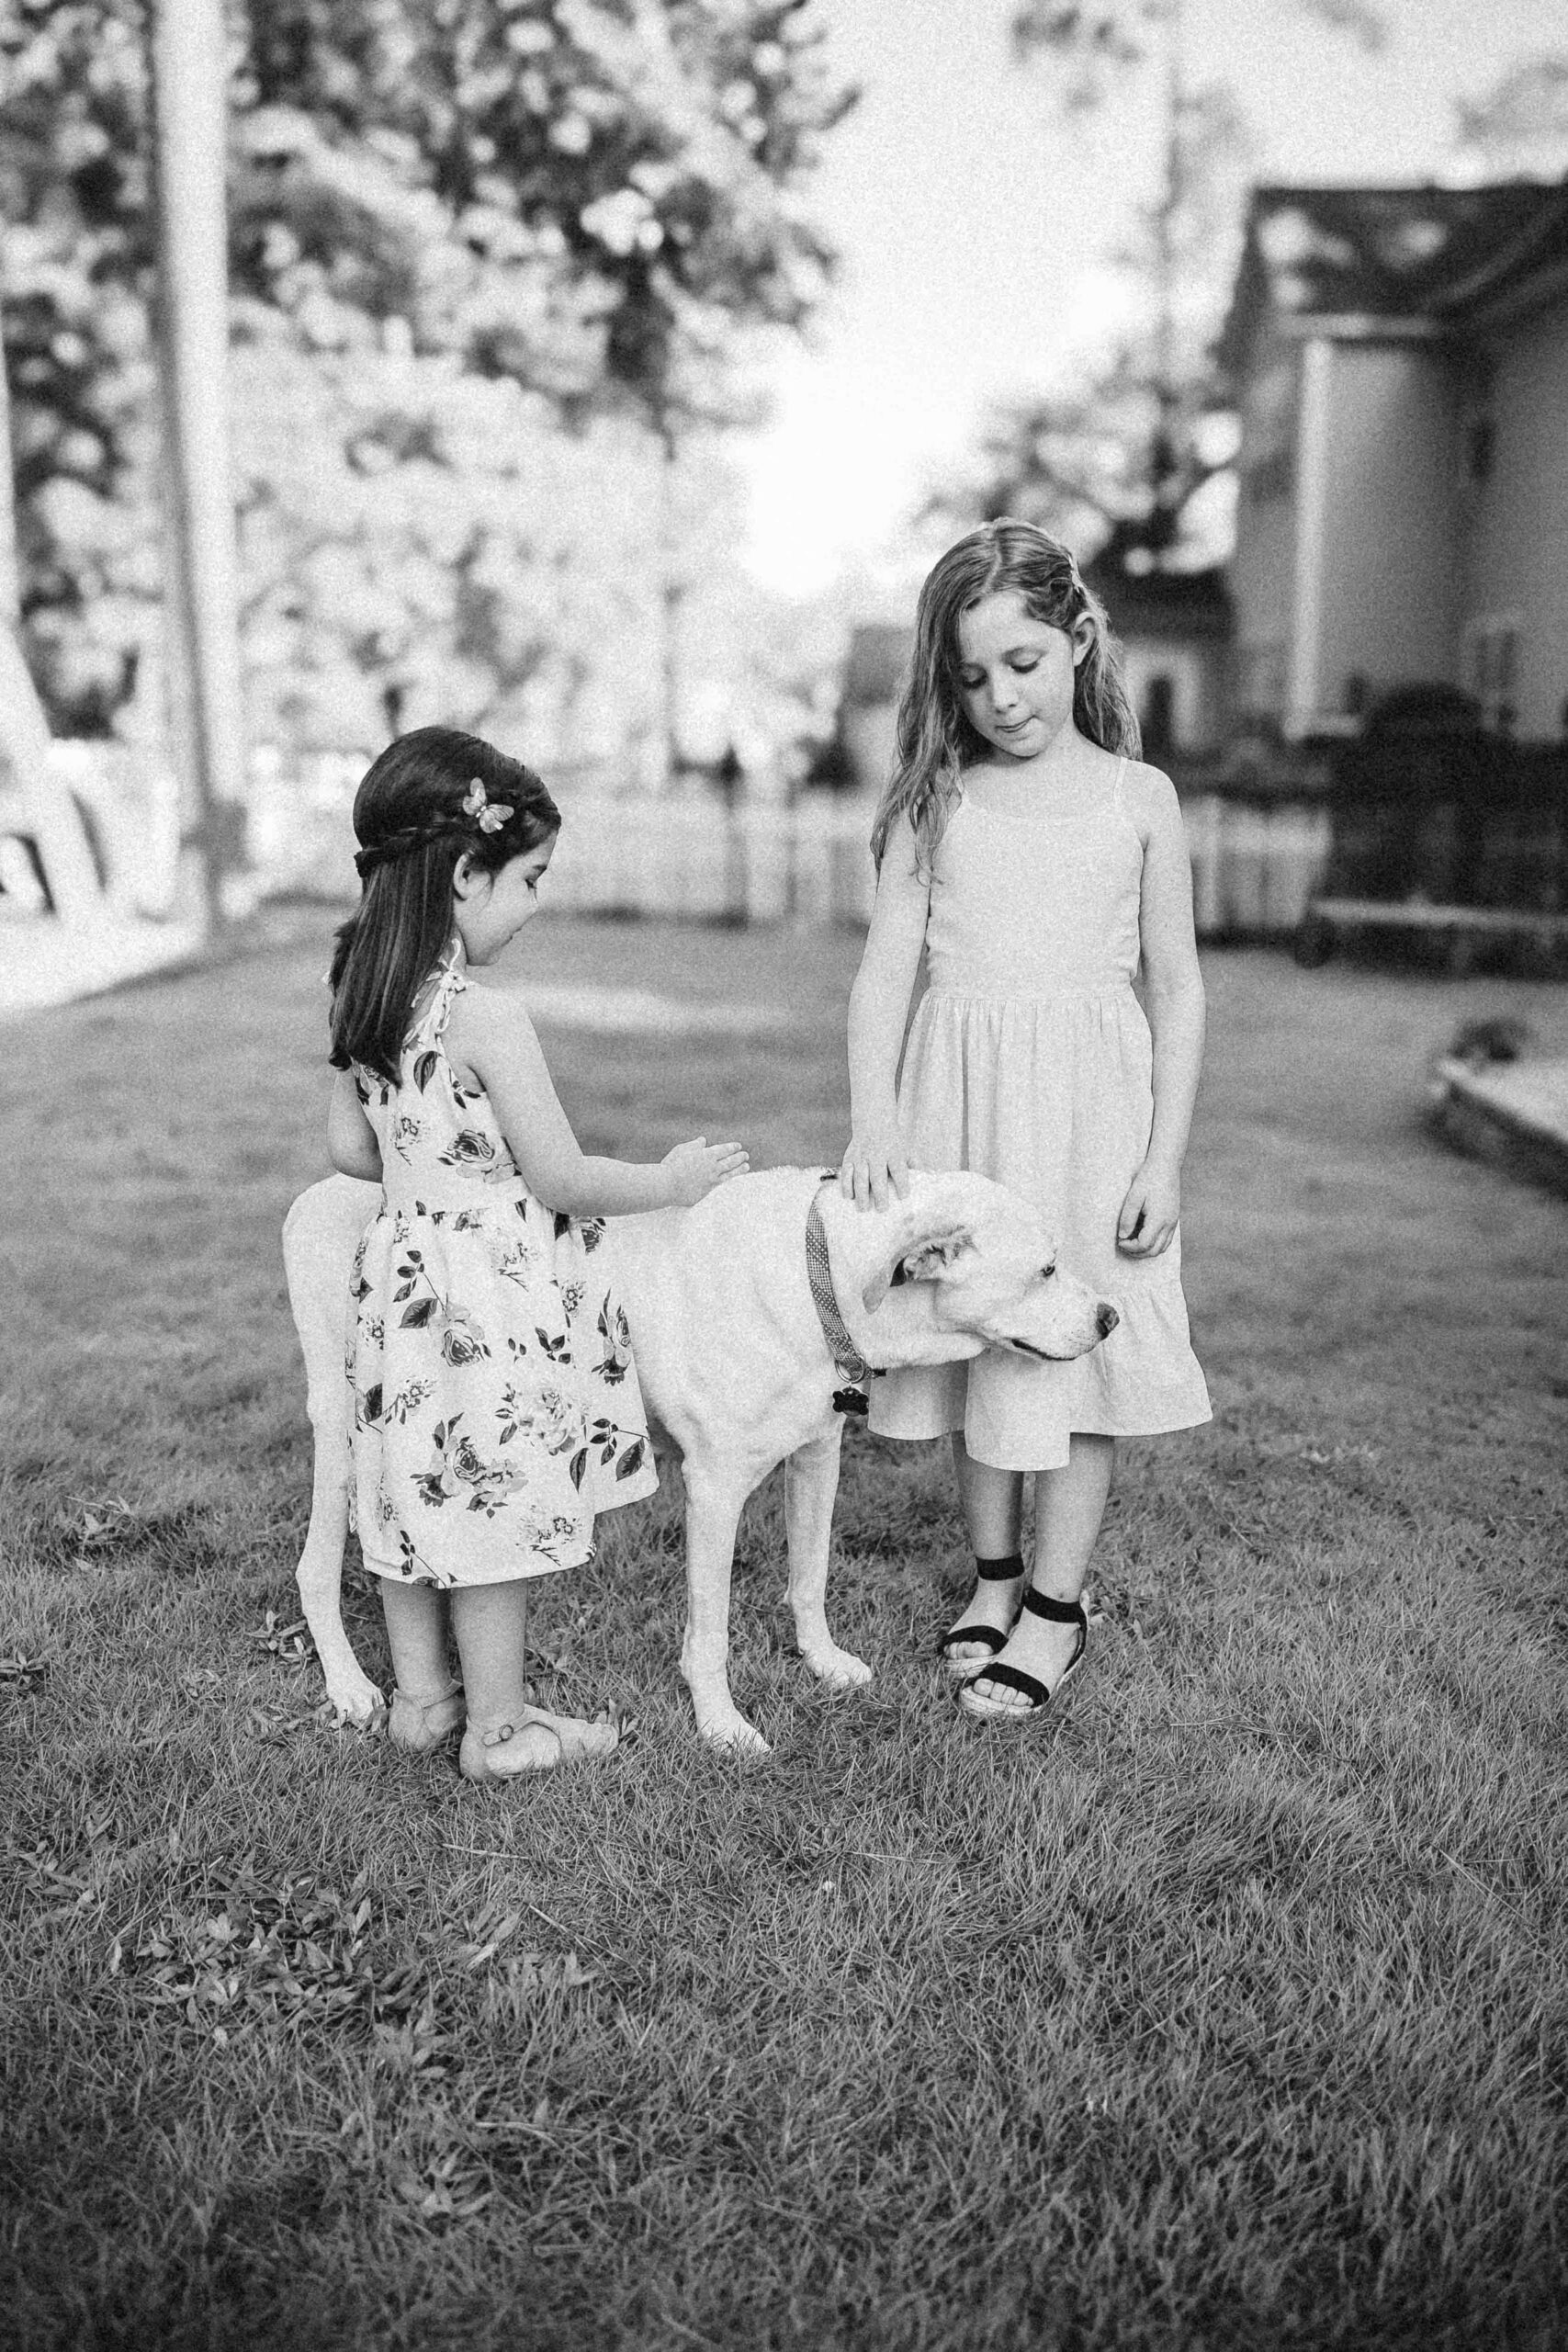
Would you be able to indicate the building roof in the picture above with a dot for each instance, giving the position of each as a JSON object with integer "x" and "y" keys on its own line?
{"x": 1144, "y": 599}
{"x": 1395, "y": 258}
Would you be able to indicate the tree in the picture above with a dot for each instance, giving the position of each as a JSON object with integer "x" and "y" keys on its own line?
{"x": 424, "y": 539}
{"x": 51, "y": 815}
{"x": 645, "y": 154}
{"x": 1520, "y": 125}
{"x": 657, "y": 140}
{"x": 10, "y": 577}
{"x": 1132, "y": 454}
{"x": 592, "y": 198}
{"x": 725, "y": 102}
{"x": 73, "y": 195}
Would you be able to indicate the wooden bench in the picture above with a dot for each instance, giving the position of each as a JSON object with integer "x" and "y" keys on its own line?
{"x": 1328, "y": 921}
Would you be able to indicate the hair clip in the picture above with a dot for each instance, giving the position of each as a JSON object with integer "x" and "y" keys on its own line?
{"x": 491, "y": 814}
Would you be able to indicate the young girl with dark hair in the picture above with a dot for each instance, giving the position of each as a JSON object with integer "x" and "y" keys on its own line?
{"x": 1024, "y": 847}
{"x": 495, "y": 1402}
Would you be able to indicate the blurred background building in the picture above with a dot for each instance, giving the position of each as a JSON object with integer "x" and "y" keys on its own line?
{"x": 1400, "y": 359}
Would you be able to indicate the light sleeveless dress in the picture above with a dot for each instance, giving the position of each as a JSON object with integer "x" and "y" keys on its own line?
{"x": 1029, "y": 1060}
{"x": 496, "y": 1406}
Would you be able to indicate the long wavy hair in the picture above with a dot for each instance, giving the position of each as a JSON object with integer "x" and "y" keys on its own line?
{"x": 935, "y": 742}
{"x": 417, "y": 811}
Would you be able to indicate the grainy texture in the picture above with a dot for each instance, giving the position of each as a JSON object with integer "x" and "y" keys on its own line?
{"x": 1228, "y": 2009}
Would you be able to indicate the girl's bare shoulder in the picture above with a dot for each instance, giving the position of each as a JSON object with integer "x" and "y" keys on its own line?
{"x": 902, "y": 865}
{"x": 481, "y": 1009}
{"x": 1149, "y": 799}
{"x": 484, "y": 1024}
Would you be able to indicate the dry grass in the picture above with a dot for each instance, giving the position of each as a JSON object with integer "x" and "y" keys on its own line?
{"x": 1228, "y": 2011}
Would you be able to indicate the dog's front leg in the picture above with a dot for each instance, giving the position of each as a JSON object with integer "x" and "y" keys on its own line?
{"x": 811, "y": 1482}
{"x": 713, "y": 1513}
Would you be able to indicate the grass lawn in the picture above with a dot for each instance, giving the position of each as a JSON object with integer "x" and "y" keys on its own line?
{"x": 1227, "y": 2010}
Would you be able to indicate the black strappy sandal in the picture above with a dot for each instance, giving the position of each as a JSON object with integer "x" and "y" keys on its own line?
{"x": 1013, "y": 1677}
{"x": 1001, "y": 1571}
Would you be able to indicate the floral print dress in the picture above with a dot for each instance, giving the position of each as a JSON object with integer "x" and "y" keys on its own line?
{"x": 496, "y": 1407}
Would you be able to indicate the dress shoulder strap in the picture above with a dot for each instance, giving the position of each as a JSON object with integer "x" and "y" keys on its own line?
{"x": 1116, "y": 788}
{"x": 445, "y": 987}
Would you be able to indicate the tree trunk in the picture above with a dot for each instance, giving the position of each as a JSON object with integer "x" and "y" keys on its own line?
{"x": 10, "y": 567}
{"x": 671, "y": 599}
{"x": 1166, "y": 479}
{"x": 201, "y": 633}
{"x": 52, "y": 815}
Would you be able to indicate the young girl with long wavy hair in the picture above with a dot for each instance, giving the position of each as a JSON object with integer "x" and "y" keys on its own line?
{"x": 1022, "y": 843}
{"x": 495, "y": 1402}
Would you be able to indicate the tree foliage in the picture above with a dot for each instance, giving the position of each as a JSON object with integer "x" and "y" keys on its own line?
{"x": 423, "y": 540}
{"x": 1520, "y": 124}
{"x": 73, "y": 192}
{"x": 1091, "y": 46}
{"x": 590, "y": 200}
{"x": 1139, "y": 450}
{"x": 643, "y": 154}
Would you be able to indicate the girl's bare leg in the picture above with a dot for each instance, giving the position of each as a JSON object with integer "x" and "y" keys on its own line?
{"x": 993, "y": 1513}
{"x": 1069, "y": 1504}
{"x": 427, "y": 1704}
{"x": 507, "y": 1734}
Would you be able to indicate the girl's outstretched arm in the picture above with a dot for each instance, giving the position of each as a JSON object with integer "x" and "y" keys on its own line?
{"x": 491, "y": 1035}
{"x": 879, "y": 1006}
{"x": 351, "y": 1139}
{"x": 1173, "y": 992}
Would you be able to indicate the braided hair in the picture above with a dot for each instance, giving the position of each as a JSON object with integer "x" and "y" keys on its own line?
{"x": 432, "y": 797}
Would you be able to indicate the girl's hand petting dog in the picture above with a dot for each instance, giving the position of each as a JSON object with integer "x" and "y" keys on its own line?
{"x": 692, "y": 1169}
{"x": 876, "y": 1167}
{"x": 1150, "y": 1211}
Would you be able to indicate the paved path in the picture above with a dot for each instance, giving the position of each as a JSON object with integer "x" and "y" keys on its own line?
{"x": 44, "y": 961}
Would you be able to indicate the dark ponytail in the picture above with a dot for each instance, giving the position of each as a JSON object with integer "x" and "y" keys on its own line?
{"x": 433, "y": 797}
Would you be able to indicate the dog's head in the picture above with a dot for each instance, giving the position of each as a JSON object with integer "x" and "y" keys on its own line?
{"x": 992, "y": 1272}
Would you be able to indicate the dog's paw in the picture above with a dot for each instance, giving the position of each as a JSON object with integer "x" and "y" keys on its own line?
{"x": 840, "y": 1669}
{"x": 356, "y": 1701}
{"x": 728, "y": 1729}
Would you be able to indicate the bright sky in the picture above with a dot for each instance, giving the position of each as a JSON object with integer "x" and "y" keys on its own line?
{"x": 971, "y": 221}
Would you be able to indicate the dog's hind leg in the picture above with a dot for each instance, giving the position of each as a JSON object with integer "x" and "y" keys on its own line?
{"x": 319, "y": 1573}
{"x": 811, "y": 1482}
{"x": 713, "y": 1513}
{"x": 319, "y": 1237}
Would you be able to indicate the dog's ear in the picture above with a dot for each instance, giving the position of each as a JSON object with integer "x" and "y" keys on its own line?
{"x": 933, "y": 1256}
{"x": 929, "y": 1255}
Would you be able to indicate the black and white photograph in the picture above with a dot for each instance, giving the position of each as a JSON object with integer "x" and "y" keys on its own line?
{"x": 784, "y": 1034}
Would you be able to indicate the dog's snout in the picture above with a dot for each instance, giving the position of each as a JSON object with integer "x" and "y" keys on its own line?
{"x": 1106, "y": 1318}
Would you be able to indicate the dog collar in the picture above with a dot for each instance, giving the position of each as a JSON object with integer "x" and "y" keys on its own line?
{"x": 847, "y": 1358}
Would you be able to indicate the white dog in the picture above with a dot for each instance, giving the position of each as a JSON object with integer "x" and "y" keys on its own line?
{"x": 740, "y": 1346}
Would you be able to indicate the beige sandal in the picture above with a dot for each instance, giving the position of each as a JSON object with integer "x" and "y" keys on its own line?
{"x": 580, "y": 1742}
{"x": 420, "y": 1724}
{"x": 510, "y": 1753}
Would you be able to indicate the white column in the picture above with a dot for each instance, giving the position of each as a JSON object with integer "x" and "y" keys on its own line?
{"x": 190, "y": 92}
